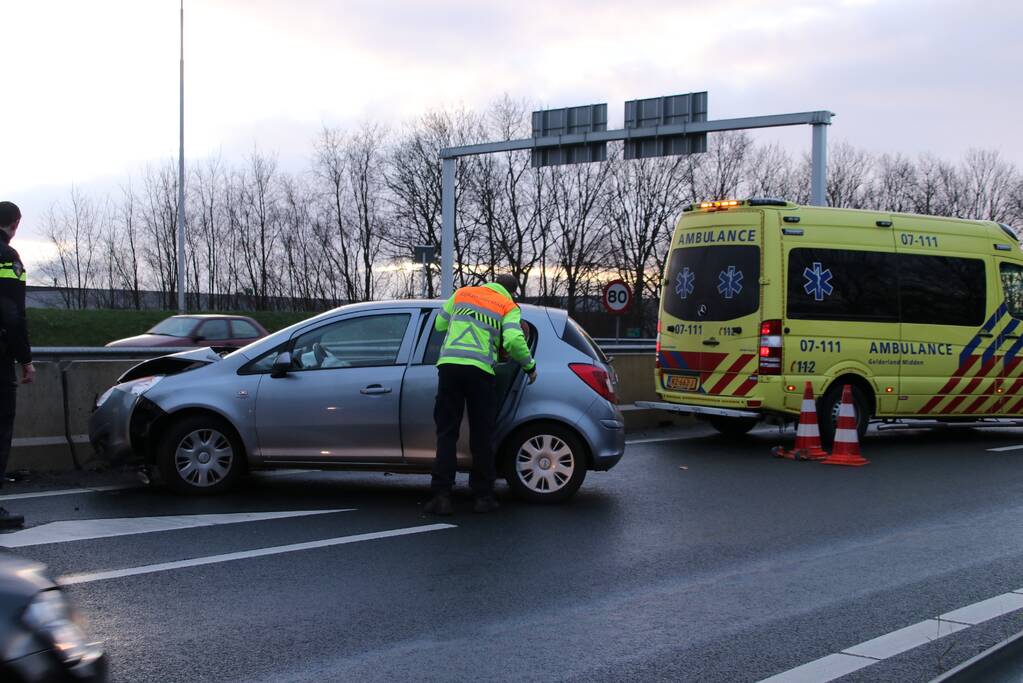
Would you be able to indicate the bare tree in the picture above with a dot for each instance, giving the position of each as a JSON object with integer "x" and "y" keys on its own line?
{"x": 74, "y": 230}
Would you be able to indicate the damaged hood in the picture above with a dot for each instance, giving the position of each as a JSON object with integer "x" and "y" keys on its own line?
{"x": 173, "y": 364}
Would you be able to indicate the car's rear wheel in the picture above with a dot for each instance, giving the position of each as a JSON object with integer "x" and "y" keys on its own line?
{"x": 201, "y": 455}
{"x": 544, "y": 463}
{"x": 732, "y": 426}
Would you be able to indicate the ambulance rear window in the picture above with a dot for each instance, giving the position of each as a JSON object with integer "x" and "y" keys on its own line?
{"x": 713, "y": 283}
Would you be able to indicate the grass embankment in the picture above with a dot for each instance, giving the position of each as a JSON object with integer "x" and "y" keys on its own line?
{"x": 59, "y": 327}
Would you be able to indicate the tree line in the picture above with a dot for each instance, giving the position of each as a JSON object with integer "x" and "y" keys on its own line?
{"x": 343, "y": 229}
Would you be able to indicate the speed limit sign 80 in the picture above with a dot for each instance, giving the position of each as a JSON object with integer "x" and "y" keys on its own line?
{"x": 617, "y": 297}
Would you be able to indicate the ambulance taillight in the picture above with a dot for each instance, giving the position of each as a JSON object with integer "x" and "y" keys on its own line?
{"x": 657, "y": 347}
{"x": 770, "y": 347}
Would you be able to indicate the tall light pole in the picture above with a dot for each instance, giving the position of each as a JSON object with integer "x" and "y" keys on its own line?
{"x": 181, "y": 172}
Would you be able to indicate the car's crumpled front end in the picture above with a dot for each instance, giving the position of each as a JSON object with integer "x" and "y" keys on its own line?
{"x": 111, "y": 423}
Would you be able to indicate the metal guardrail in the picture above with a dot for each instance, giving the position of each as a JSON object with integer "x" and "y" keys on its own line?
{"x": 612, "y": 346}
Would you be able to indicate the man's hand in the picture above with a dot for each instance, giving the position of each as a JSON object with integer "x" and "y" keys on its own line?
{"x": 532, "y": 376}
{"x": 28, "y": 373}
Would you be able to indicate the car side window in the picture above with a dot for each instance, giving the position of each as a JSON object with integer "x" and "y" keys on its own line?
{"x": 366, "y": 341}
{"x": 243, "y": 329}
{"x": 214, "y": 329}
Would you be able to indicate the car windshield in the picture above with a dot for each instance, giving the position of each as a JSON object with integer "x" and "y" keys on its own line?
{"x": 174, "y": 327}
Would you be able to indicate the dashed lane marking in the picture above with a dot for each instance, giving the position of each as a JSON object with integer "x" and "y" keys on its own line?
{"x": 67, "y": 492}
{"x": 85, "y": 529}
{"x": 1005, "y": 448}
{"x": 73, "y": 579}
{"x": 890, "y": 644}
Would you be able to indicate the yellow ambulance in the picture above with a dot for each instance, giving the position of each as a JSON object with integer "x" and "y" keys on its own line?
{"x": 920, "y": 315}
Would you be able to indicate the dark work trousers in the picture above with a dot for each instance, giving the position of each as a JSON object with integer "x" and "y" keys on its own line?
{"x": 8, "y": 401}
{"x": 457, "y": 387}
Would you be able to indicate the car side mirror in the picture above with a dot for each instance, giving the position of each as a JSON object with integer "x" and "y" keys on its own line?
{"x": 282, "y": 364}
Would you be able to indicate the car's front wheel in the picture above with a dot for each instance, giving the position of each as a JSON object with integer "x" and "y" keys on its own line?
{"x": 544, "y": 463}
{"x": 201, "y": 455}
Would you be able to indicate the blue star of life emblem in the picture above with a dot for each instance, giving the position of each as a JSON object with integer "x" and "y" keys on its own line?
{"x": 818, "y": 281}
{"x": 685, "y": 283}
{"x": 730, "y": 282}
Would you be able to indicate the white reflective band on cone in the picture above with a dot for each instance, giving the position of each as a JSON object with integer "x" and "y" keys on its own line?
{"x": 807, "y": 430}
{"x": 845, "y": 435}
{"x": 808, "y": 406}
{"x": 847, "y": 410}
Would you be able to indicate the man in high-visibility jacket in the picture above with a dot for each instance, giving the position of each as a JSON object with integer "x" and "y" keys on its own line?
{"x": 478, "y": 322}
{"x": 14, "y": 346}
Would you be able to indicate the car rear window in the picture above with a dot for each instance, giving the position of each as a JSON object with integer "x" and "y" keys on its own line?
{"x": 713, "y": 283}
{"x": 576, "y": 336}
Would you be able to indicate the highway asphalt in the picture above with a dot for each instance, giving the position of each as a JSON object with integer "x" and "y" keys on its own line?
{"x": 698, "y": 558}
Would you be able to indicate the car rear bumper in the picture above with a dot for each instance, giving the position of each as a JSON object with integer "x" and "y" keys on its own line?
{"x": 604, "y": 428}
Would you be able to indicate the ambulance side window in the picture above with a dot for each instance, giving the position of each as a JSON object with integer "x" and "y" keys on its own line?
{"x": 1012, "y": 286}
{"x": 942, "y": 290}
{"x": 842, "y": 284}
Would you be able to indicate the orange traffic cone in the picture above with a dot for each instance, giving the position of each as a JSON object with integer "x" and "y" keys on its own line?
{"x": 847, "y": 442}
{"x": 808, "y": 437}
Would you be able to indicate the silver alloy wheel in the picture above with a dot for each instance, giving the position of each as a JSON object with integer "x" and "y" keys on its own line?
{"x": 544, "y": 463}
{"x": 204, "y": 457}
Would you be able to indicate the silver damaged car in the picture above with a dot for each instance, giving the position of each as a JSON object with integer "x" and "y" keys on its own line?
{"x": 354, "y": 388}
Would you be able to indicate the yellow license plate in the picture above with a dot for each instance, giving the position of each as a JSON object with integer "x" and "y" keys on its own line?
{"x": 683, "y": 382}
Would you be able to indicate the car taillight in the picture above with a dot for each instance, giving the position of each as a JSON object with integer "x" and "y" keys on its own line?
{"x": 657, "y": 347}
{"x": 596, "y": 378}
{"x": 770, "y": 347}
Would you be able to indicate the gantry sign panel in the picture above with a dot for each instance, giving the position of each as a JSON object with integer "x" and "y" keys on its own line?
{"x": 666, "y": 111}
{"x": 591, "y": 118}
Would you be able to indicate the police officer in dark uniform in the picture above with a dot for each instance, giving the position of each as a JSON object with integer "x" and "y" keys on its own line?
{"x": 14, "y": 346}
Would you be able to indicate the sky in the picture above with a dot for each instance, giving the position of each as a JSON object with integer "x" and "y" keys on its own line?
{"x": 90, "y": 88}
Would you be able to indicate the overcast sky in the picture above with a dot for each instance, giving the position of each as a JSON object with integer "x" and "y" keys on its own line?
{"x": 90, "y": 89}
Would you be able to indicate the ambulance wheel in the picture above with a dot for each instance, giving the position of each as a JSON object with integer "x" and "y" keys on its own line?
{"x": 732, "y": 426}
{"x": 828, "y": 407}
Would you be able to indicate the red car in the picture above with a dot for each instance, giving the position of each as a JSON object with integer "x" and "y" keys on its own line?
{"x": 198, "y": 330}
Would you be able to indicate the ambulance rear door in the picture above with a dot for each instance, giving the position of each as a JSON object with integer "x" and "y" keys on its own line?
{"x": 711, "y": 305}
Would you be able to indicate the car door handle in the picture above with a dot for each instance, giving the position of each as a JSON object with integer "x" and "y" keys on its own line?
{"x": 711, "y": 342}
{"x": 374, "y": 389}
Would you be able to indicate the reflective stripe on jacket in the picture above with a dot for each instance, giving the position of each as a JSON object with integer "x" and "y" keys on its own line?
{"x": 478, "y": 320}
{"x": 14, "y": 343}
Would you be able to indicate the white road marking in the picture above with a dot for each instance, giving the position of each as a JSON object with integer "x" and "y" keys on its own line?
{"x": 1005, "y": 448}
{"x": 824, "y": 669}
{"x": 986, "y": 609}
{"x": 66, "y": 492}
{"x": 659, "y": 439}
{"x": 878, "y": 649}
{"x": 260, "y": 552}
{"x": 81, "y": 530}
{"x": 897, "y": 642}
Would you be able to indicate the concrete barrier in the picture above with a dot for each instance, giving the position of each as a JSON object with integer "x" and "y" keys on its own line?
{"x": 52, "y": 424}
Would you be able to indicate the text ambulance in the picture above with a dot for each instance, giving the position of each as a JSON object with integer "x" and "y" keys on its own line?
{"x": 920, "y": 315}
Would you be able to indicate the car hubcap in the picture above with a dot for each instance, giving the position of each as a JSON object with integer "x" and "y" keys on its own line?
{"x": 545, "y": 463}
{"x": 204, "y": 457}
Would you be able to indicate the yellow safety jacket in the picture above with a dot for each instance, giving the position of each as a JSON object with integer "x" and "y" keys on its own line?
{"x": 478, "y": 321}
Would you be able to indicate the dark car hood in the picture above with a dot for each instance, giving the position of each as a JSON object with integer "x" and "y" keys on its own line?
{"x": 172, "y": 364}
{"x": 144, "y": 340}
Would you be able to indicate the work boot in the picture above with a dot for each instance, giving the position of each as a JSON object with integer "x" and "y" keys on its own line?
{"x": 9, "y": 520}
{"x": 440, "y": 504}
{"x": 486, "y": 504}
